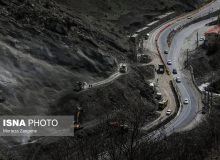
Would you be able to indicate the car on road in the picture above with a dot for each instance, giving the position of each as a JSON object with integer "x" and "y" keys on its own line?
{"x": 166, "y": 52}
{"x": 174, "y": 71}
{"x": 168, "y": 112}
{"x": 123, "y": 68}
{"x": 146, "y": 36}
{"x": 201, "y": 38}
{"x": 158, "y": 96}
{"x": 169, "y": 62}
{"x": 178, "y": 80}
{"x": 186, "y": 101}
{"x": 161, "y": 69}
{"x": 79, "y": 86}
{"x": 189, "y": 17}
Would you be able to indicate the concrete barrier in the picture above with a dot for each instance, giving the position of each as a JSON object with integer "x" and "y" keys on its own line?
{"x": 158, "y": 48}
{"x": 216, "y": 13}
{"x": 135, "y": 38}
{"x": 156, "y": 23}
{"x": 172, "y": 33}
{"x": 179, "y": 18}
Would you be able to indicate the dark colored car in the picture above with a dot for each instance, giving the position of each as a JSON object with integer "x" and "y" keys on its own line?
{"x": 166, "y": 52}
{"x": 174, "y": 71}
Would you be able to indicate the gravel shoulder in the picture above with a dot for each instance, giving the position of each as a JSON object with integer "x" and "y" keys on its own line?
{"x": 162, "y": 80}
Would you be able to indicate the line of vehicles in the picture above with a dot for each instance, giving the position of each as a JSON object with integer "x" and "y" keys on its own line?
{"x": 113, "y": 124}
{"x": 161, "y": 70}
{"x": 79, "y": 86}
{"x": 162, "y": 103}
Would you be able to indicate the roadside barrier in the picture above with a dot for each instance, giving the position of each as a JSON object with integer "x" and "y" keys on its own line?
{"x": 175, "y": 113}
{"x": 171, "y": 23}
{"x": 193, "y": 79}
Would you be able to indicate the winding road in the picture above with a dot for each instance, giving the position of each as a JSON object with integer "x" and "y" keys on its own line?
{"x": 187, "y": 113}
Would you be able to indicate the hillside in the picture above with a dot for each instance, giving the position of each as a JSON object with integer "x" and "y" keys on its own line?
{"x": 128, "y": 14}
{"x": 205, "y": 62}
{"x": 48, "y": 45}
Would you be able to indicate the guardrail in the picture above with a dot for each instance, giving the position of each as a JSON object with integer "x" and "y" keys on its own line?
{"x": 173, "y": 84}
{"x": 209, "y": 15}
{"x": 172, "y": 33}
{"x": 158, "y": 48}
{"x": 175, "y": 113}
{"x": 193, "y": 79}
{"x": 169, "y": 17}
{"x": 179, "y": 106}
{"x": 177, "y": 95}
{"x": 135, "y": 38}
{"x": 178, "y": 18}
{"x": 153, "y": 25}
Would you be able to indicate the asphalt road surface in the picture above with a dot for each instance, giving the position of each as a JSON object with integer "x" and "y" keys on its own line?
{"x": 187, "y": 113}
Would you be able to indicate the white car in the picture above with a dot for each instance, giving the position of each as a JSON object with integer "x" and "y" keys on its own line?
{"x": 178, "y": 80}
{"x": 186, "y": 101}
{"x": 169, "y": 62}
{"x": 201, "y": 39}
{"x": 168, "y": 112}
{"x": 189, "y": 17}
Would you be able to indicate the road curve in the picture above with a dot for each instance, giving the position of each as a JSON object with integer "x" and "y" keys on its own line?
{"x": 187, "y": 113}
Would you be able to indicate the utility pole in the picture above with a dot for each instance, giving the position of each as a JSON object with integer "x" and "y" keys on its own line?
{"x": 208, "y": 99}
{"x": 211, "y": 104}
{"x": 187, "y": 58}
{"x": 205, "y": 98}
{"x": 136, "y": 48}
{"x": 142, "y": 45}
{"x": 211, "y": 95}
